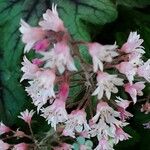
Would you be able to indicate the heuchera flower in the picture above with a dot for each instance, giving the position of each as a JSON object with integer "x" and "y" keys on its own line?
{"x": 122, "y": 105}
{"x": 56, "y": 112}
{"x": 41, "y": 88}
{"x": 106, "y": 83}
{"x": 144, "y": 70}
{"x": 31, "y": 35}
{"x": 134, "y": 90}
{"x": 27, "y": 116}
{"x": 128, "y": 69}
{"x": 101, "y": 53}
{"x": 76, "y": 123}
{"x": 121, "y": 135}
{"x": 52, "y": 21}
{"x": 4, "y": 146}
{"x": 104, "y": 123}
{"x": 59, "y": 57}
{"x": 104, "y": 144}
{"x": 20, "y": 146}
{"x": 133, "y": 44}
{"x": 146, "y": 108}
{"x": 135, "y": 59}
{"x": 4, "y": 129}
{"x": 30, "y": 70}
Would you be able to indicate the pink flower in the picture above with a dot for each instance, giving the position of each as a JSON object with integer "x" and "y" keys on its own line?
{"x": 106, "y": 113}
{"x": 144, "y": 70}
{"x": 133, "y": 44}
{"x": 76, "y": 123}
{"x": 107, "y": 83}
{"x": 30, "y": 70}
{"x": 21, "y": 146}
{"x": 146, "y": 108}
{"x": 104, "y": 144}
{"x": 134, "y": 90}
{"x": 31, "y": 35}
{"x": 122, "y": 105}
{"x": 41, "y": 88}
{"x": 27, "y": 116}
{"x": 59, "y": 57}
{"x": 41, "y": 45}
{"x": 4, "y": 129}
{"x": 101, "y": 53}
{"x": 4, "y": 146}
{"x": 63, "y": 146}
{"x": 127, "y": 69}
{"x": 37, "y": 62}
{"x": 135, "y": 59}
{"x": 52, "y": 21}
{"x": 121, "y": 135}
{"x": 56, "y": 112}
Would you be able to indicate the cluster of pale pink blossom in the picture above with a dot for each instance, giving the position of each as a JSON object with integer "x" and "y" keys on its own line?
{"x": 50, "y": 77}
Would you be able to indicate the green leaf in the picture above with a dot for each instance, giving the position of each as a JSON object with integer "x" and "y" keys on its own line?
{"x": 77, "y": 14}
{"x": 134, "y": 3}
{"x": 13, "y": 97}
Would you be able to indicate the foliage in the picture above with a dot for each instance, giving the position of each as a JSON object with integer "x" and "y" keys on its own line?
{"x": 100, "y": 20}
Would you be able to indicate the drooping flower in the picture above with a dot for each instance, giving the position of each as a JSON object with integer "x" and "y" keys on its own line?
{"x": 121, "y": 135}
{"x": 59, "y": 57}
{"x": 31, "y": 35}
{"x": 107, "y": 83}
{"x": 101, "y": 53}
{"x": 146, "y": 108}
{"x": 134, "y": 90}
{"x": 103, "y": 125}
{"x": 135, "y": 59}
{"x": 30, "y": 70}
{"x": 52, "y": 21}
{"x": 27, "y": 116}
{"x": 4, "y": 146}
{"x": 41, "y": 89}
{"x": 122, "y": 105}
{"x": 104, "y": 144}
{"x": 4, "y": 129}
{"x": 56, "y": 112}
{"x": 76, "y": 123}
{"x": 20, "y": 146}
{"x": 128, "y": 69}
{"x": 144, "y": 70}
{"x": 133, "y": 44}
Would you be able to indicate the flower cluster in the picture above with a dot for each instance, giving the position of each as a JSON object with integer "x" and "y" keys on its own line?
{"x": 51, "y": 73}
{"x": 8, "y": 134}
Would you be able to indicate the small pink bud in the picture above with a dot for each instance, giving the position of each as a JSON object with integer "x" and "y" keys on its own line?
{"x": 37, "y": 62}
{"x": 41, "y": 45}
